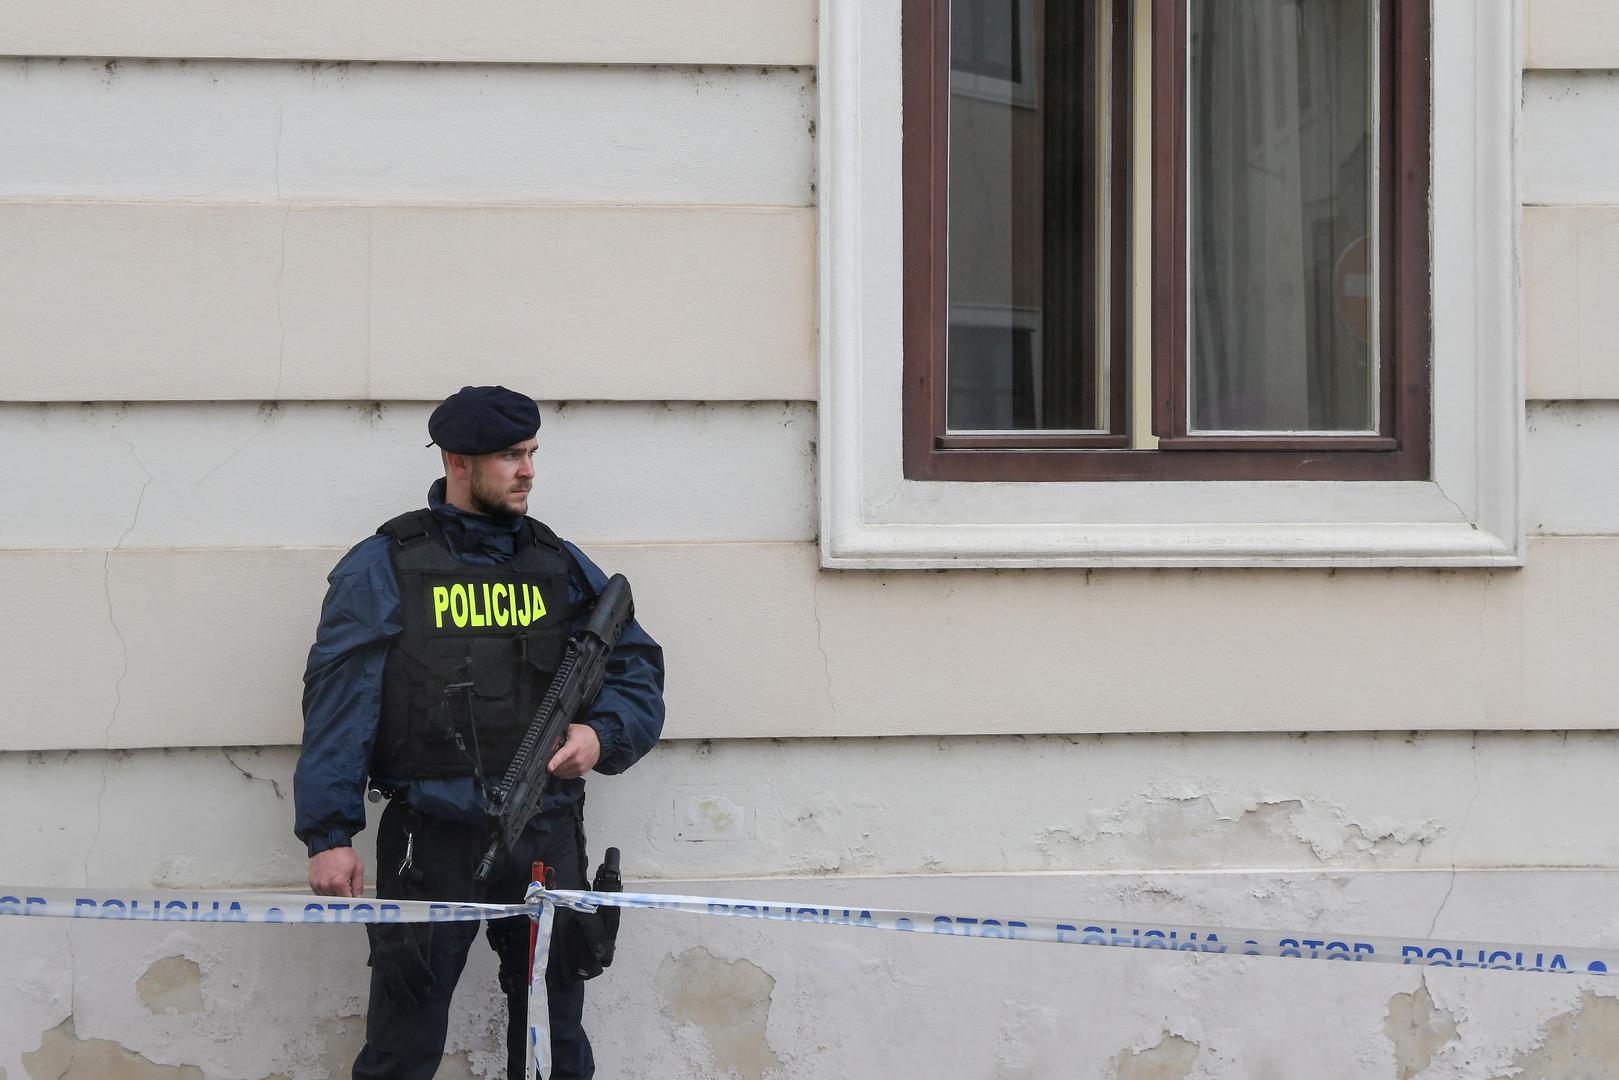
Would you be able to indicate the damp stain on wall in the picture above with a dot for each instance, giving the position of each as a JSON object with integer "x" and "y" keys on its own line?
{"x": 1171, "y": 1059}
{"x": 728, "y": 1001}
{"x": 62, "y": 1055}
{"x": 1418, "y": 1029}
{"x": 171, "y": 985}
{"x": 1582, "y": 1044}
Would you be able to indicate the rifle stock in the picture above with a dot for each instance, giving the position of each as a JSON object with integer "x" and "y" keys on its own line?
{"x": 573, "y": 689}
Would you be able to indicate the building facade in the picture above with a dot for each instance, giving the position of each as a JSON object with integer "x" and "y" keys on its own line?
{"x": 1347, "y": 669}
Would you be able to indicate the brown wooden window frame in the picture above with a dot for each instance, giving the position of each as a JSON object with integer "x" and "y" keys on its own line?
{"x": 1401, "y": 449}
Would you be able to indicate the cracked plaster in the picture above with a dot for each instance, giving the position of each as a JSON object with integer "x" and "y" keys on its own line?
{"x": 123, "y": 644}
{"x": 275, "y": 786}
{"x": 1467, "y": 816}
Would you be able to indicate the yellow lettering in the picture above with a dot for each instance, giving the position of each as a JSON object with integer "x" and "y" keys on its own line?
{"x": 458, "y": 604}
{"x": 498, "y": 606}
{"x": 539, "y": 603}
{"x": 441, "y": 602}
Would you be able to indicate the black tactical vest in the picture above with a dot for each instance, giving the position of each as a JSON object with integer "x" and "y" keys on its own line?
{"x": 479, "y": 647}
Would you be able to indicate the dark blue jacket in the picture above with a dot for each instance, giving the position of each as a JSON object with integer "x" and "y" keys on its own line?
{"x": 343, "y": 686}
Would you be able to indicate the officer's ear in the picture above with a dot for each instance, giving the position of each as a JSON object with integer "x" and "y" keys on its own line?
{"x": 458, "y": 466}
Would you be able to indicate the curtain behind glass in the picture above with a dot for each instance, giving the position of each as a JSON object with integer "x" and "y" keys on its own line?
{"x": 1282, "y": 142}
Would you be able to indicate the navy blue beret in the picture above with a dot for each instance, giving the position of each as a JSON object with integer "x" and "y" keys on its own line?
{"x": 483, "y": 419}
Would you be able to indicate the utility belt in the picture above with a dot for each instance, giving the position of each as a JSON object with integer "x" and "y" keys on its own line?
{"x": 563, "y": 795}
{"x": 583, "y": 943}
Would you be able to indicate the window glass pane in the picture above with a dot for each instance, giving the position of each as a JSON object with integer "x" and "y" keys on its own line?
{"x": 1026, "y": 251}
{"x": 995, "y": 382}
{"x": 1283, "y": 143}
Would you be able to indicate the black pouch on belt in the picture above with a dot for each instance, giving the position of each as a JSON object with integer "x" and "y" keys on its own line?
{"x": 608, "y": 880}
{"x": 587, "y": 939}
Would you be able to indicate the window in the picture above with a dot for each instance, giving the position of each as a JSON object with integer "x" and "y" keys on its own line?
{"x": 1287, "y": 191}
{"x": 1448, "y": 494}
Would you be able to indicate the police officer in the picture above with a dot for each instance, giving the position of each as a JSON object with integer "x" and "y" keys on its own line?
{"x": 437, "y": 639}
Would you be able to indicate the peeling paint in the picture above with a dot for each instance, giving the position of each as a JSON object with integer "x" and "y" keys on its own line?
{"x": 1172, "y": 1059}
{"x": 454, "y": 1067}
{"x": 1026, "y": 1046}
{"x": 62, "y": 1055}
{"x": 171, "y": 985}
{"x": 728, "y": 1001}
{"x": 1579, "y": 1045}
{"x": 1418, "y": 1029}
{"x": 341, "y": 1040}
{"x": 1176, "y": 829}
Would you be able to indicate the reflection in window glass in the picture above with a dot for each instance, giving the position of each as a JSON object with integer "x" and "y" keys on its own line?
{"x": 1283, "y": 324}
{"x": 995, "y": 380}
{"x": 1027, "y": 128}
{"x": 985, "y": 39}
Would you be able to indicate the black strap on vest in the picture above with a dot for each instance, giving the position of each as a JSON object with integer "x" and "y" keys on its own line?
{"x": 410, "y": 529}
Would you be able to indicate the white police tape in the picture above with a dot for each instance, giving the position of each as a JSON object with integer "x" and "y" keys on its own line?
{"x": 539, "y": 1007}
{"x": 241, "y": 907}
{"x": 1202, "y": 940}
{"x": 297, "y": 908}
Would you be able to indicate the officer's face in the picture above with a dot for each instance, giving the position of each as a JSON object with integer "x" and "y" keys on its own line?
{"x": 501, "y": 481}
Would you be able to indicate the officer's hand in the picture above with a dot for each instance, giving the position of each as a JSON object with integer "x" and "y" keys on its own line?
{"x": 337, "y": 872}
{"x": 579, "y": 754}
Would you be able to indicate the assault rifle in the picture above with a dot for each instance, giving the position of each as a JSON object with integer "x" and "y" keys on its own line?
{"x": 573, "y": 688}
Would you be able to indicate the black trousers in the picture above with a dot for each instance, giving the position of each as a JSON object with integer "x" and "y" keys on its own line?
{"x": 406, "y": 1042}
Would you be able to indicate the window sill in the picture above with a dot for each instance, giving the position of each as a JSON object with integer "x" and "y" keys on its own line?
{"x": 934, "y": 547}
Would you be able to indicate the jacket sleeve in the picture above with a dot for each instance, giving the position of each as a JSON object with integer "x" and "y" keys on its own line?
{"x": 628, "y": 713}
{"x": 342, "y": 698}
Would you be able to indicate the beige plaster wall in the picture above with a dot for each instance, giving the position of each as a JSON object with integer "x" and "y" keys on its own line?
{"x": 775, "y": 32}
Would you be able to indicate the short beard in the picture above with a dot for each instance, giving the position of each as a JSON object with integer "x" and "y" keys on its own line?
{"x": 484, "y": 504}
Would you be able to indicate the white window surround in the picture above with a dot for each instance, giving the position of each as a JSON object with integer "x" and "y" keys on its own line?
{"x": 873, "y": 518}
